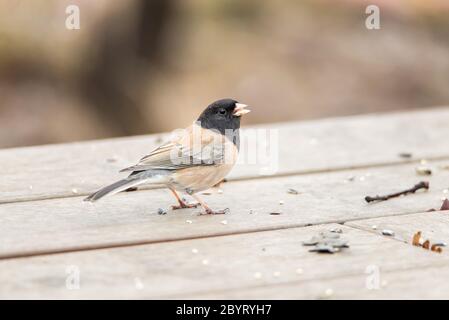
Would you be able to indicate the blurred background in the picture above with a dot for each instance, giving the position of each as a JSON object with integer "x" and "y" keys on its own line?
{"x": 137, "y": 67}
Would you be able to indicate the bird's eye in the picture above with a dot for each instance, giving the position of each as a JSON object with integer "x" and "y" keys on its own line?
{"x": 222, "y": 111}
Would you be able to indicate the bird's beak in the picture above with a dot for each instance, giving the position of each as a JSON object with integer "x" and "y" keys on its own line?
{"x": 240, "y": 109}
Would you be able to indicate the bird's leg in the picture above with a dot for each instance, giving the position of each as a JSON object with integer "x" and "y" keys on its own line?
{"x": 208, "y": 210}
{"x": 182, "y": 204}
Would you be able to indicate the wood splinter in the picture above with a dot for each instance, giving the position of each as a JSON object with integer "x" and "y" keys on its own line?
{"x": 416, "y": 187}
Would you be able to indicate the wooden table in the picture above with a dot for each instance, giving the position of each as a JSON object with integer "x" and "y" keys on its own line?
{"x": 54, "y": 245}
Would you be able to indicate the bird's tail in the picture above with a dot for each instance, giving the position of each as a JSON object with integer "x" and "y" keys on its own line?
{"x": 114, "y": 188}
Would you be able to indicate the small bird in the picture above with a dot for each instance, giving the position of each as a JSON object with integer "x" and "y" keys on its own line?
{"x": 193, "y": 161}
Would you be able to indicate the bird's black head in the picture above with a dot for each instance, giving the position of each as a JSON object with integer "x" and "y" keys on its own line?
{"x": 222, "y": 114}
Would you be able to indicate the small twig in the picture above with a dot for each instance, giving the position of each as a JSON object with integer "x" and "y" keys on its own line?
{"x": 416, "y": 187}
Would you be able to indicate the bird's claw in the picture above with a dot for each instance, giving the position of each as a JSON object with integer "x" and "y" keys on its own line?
{"x": 183, "y": 205}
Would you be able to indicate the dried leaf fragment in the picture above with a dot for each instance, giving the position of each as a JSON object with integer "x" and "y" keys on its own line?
{"x": 426, "y": 244}
{"x": 416, "y": 239}
{"x": 436, "y": 248}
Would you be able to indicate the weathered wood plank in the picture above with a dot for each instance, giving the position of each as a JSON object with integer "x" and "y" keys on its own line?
{"x": 79, "y": 168}
{"x": 433, "y": 225}
{"x": 131, "y": 218}
{"x": 411, "y": 283}
{"x": 415, "y": 283}
{"x": 172, "y": 269}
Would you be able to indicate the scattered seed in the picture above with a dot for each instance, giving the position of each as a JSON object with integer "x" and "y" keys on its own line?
{"x": 138, "y": 283}
{"x": 205, "y": 262}
{"x": 281, "y": 202}
{"x": 111, "y": 159}
{"x": 350, "y": 179}
{"x": 423, "y": 171}
{"x": 387, "y": 232}
{"x": 75, "y": 191}
{"x": 276, "y": 274}
{"x": 161, "y": 211}
{"x": 224, "y": 222}
{"x": 292, "y": 191}
{"x": 426, "y": 244}
{"x": 219, "y": 191}
{"x": 436, "y": 249}
{"x": 194, "y": 250}
{"x": 206, "y": 193}
{"x": 446, "y": 191}
{"x": 374, "y": 227}
{"x": 30, "y": 187}
{"x": 275, "y": 213}
{"x": 423, "y": 161}
{"x": 328, "y": 293}
{"x": 384, "y": 283}
{"x": 406, "y": 155}
{"x": 257, "y": 275}
{"x": 362, "y": 178}
{"x": 299, "y": 271}
{"x": 336, "y": 230}
{"x": 189, "y": 221}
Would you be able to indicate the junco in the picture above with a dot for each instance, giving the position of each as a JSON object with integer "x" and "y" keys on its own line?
{"x": 194, "y": 161}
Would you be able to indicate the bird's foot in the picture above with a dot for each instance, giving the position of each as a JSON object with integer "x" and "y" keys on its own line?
{"x": 184, "y": 205}
{"x": 210, "y": 211}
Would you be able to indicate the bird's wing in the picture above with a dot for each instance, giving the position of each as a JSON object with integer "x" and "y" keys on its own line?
{"x": 183, "y": 152}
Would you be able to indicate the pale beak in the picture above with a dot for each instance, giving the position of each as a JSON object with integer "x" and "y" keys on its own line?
{"x": 240, "y": 109}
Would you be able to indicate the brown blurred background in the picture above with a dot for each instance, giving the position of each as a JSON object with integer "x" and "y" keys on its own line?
{"x": 139, "y": 66}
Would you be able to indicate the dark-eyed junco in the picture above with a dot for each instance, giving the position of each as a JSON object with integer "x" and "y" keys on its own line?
{"x": 197, "y": 159}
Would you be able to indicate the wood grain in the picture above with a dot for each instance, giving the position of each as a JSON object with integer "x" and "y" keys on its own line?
{"x": 423, "y": 282}
{"x": 229, "y": 264}
{"x": 433, "y": 226}
{"x": 66, "y": 224}
{"x": 332, "y": 144}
